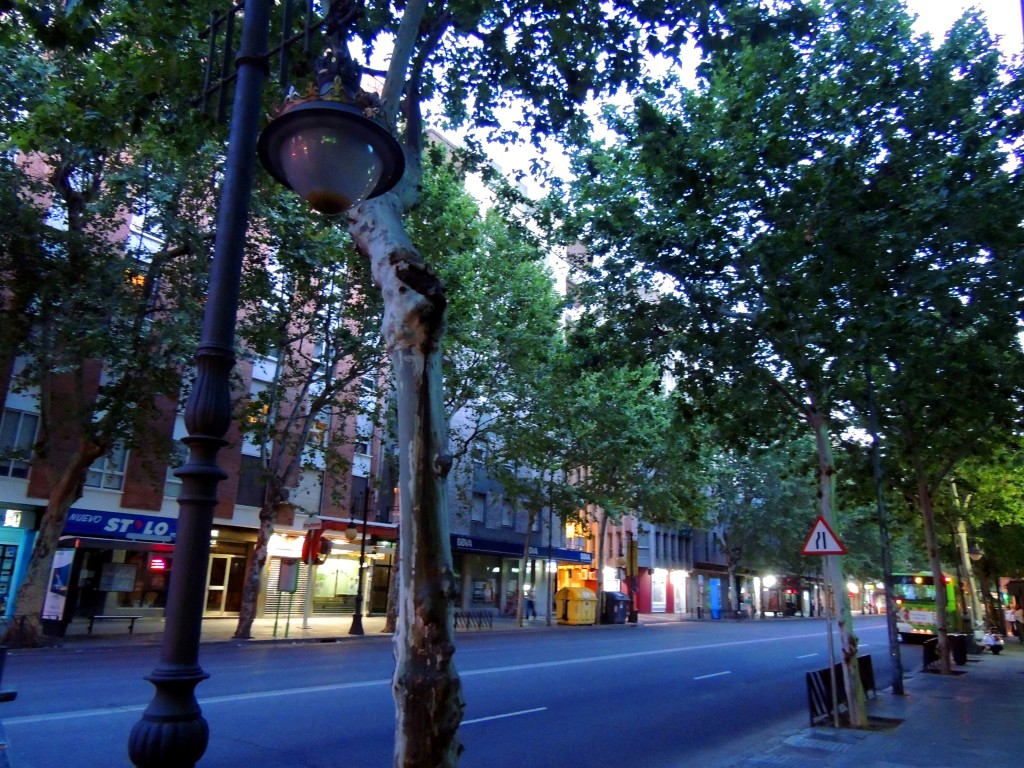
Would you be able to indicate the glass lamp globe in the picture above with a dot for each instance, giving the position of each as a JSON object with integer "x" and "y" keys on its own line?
{"x": 331, "y": 154}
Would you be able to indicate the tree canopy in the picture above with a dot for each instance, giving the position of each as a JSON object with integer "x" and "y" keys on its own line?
{"x": 817, "y": 203}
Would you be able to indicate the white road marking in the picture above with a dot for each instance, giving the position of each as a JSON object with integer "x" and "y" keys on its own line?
{"x": 807, "y": 656}
{"x": 713, "y": 674}
{"x": 501, "y": 717}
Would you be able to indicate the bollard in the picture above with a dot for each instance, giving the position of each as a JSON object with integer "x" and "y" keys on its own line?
{"x": 5, "y": 694}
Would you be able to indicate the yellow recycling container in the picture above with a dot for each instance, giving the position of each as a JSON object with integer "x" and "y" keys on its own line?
{"x": 575, "y": 605}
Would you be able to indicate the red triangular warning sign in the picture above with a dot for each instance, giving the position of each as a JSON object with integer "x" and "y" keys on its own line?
{"x": 822, "y": 540}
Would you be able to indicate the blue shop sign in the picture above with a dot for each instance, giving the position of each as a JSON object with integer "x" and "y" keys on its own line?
{"x": 118, "y": 525}
{"x": 463, "y": 543}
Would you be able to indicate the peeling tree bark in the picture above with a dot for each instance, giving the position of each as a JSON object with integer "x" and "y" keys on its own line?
{"x": 427, "y": 689}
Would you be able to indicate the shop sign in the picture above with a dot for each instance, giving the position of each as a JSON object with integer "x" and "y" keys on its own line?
{"x": 118, "y": 525}
{"x": 463, "y": 543}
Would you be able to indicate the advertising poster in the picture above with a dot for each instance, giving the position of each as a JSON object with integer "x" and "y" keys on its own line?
{"x": 60, "y": 579}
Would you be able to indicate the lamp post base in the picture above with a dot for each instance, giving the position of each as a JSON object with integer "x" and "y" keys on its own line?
{"x": 172, "y": 732}
{"x": 357, "y": 624}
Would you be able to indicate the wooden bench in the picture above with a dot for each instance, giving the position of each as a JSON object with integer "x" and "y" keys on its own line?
{"x": 474, "y": 619}
{"x": 115, "y": 617}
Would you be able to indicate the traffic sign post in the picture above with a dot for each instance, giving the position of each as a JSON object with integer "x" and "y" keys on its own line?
{"x": 822, "y": 540}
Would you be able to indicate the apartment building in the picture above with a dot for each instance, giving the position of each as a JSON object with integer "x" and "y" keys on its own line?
{"x": 115, "y": 552}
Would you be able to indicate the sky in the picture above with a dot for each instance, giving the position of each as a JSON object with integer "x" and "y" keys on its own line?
{"x": 934, "y": 17}
{"x": 1004, "y": 18}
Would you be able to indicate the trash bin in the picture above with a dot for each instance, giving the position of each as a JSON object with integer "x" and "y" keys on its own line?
{"x": 575, "y": 605}
{"x": 958, "y": 647}
{"x": 930, "y": 653}
{"x": 616, "y": 606}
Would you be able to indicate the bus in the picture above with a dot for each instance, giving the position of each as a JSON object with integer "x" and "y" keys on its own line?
{"x": 914, "y": 595}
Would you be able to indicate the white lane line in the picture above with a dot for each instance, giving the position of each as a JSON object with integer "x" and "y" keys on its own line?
{"x": 227, "y": 699}
{"x": 632, "y": 655}
{"x": 713, "y": 674}
{"x": 807, "y": 656}
{"x": 502, "y": 717}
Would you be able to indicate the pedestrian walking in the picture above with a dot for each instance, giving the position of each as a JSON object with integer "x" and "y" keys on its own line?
{"x": 1018, "y": 622}
{"x": 530, "y": 611}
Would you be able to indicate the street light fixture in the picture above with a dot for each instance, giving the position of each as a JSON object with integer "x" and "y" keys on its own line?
{"x": 330, "y": 146}
{"x": 172, "y": 732}
{"x": 330, "y": 153}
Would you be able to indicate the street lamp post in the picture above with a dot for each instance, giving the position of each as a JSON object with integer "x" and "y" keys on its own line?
{"x": 172, "y": 732}
{"x": 357, "y": 617}
{"x": 632, "y": 549}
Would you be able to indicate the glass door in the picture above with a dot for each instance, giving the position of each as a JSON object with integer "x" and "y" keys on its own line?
{"x": 224, "y": 585}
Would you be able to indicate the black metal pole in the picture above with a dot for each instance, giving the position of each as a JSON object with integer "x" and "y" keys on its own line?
{"x": 357, "y": 617}
{"x": 633, "y": 560}
{"x": 895, "y": 660}
{"x": 172, "y": 732}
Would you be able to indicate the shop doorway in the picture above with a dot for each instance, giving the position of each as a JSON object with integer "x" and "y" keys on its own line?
{"x": 224, "y": 585}
{"x": 380, "y": 582}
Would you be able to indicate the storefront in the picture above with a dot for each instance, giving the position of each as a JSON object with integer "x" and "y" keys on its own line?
{"x": 17, "y": 535}
{"x": 109, "y": 563}
{"x": 335, "y": 581}
{"x": 230, "y": 549}
{"x": 488, "y": 572}
{"x": 116, "y": 562}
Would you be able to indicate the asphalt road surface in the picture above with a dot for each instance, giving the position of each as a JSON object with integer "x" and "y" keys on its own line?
{"x": 657, "y": 696}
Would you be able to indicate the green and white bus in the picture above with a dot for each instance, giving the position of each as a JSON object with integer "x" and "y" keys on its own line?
{"x": 914, "y": 595}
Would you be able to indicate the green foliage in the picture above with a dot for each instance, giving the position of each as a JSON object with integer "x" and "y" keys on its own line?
{"x": 502, "y": 307}
{"x": 819, "y": 202}
{"x": 762, "y": 503}
{"x": 634, "y": 452}
{"x": 95, "y": 127}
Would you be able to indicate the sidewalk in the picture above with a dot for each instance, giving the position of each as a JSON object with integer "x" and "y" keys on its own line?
{"x": 971, "y": 718}
{"x": 317, "y": 629}
{"x": 967, "y": 719}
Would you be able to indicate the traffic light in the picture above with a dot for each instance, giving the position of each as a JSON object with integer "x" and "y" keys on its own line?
{"x": 315, "y": 548}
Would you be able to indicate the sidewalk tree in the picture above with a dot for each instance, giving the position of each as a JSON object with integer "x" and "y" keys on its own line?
{"x": 631, "y": 453}
{"x": 99, "y": 318}
{"x": 548, "y": 58}
{"x": 308, "y": 304}
{"x": 760, "y": 225}
{"x": 944, "y": 340}
{"x": 760, "y": 506}
{"x": 504, "y": 311}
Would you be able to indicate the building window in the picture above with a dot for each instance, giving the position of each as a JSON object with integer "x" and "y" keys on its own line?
{"x": 507, "y": 514}
{"x": 317, "y": 434}
{"x": 107, "y": 472}
{"x": 251, "y": 482}
{"x": 17, "y": 434}
{"x": 479, "y": 508}
{"x": 178, "y": 458}
{"x": 536, "y": 523}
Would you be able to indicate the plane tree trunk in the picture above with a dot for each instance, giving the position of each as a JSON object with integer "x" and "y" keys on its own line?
{"x": 427, "y": 688}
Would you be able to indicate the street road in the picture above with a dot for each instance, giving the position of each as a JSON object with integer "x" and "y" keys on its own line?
{"x": 657, "y": 696}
